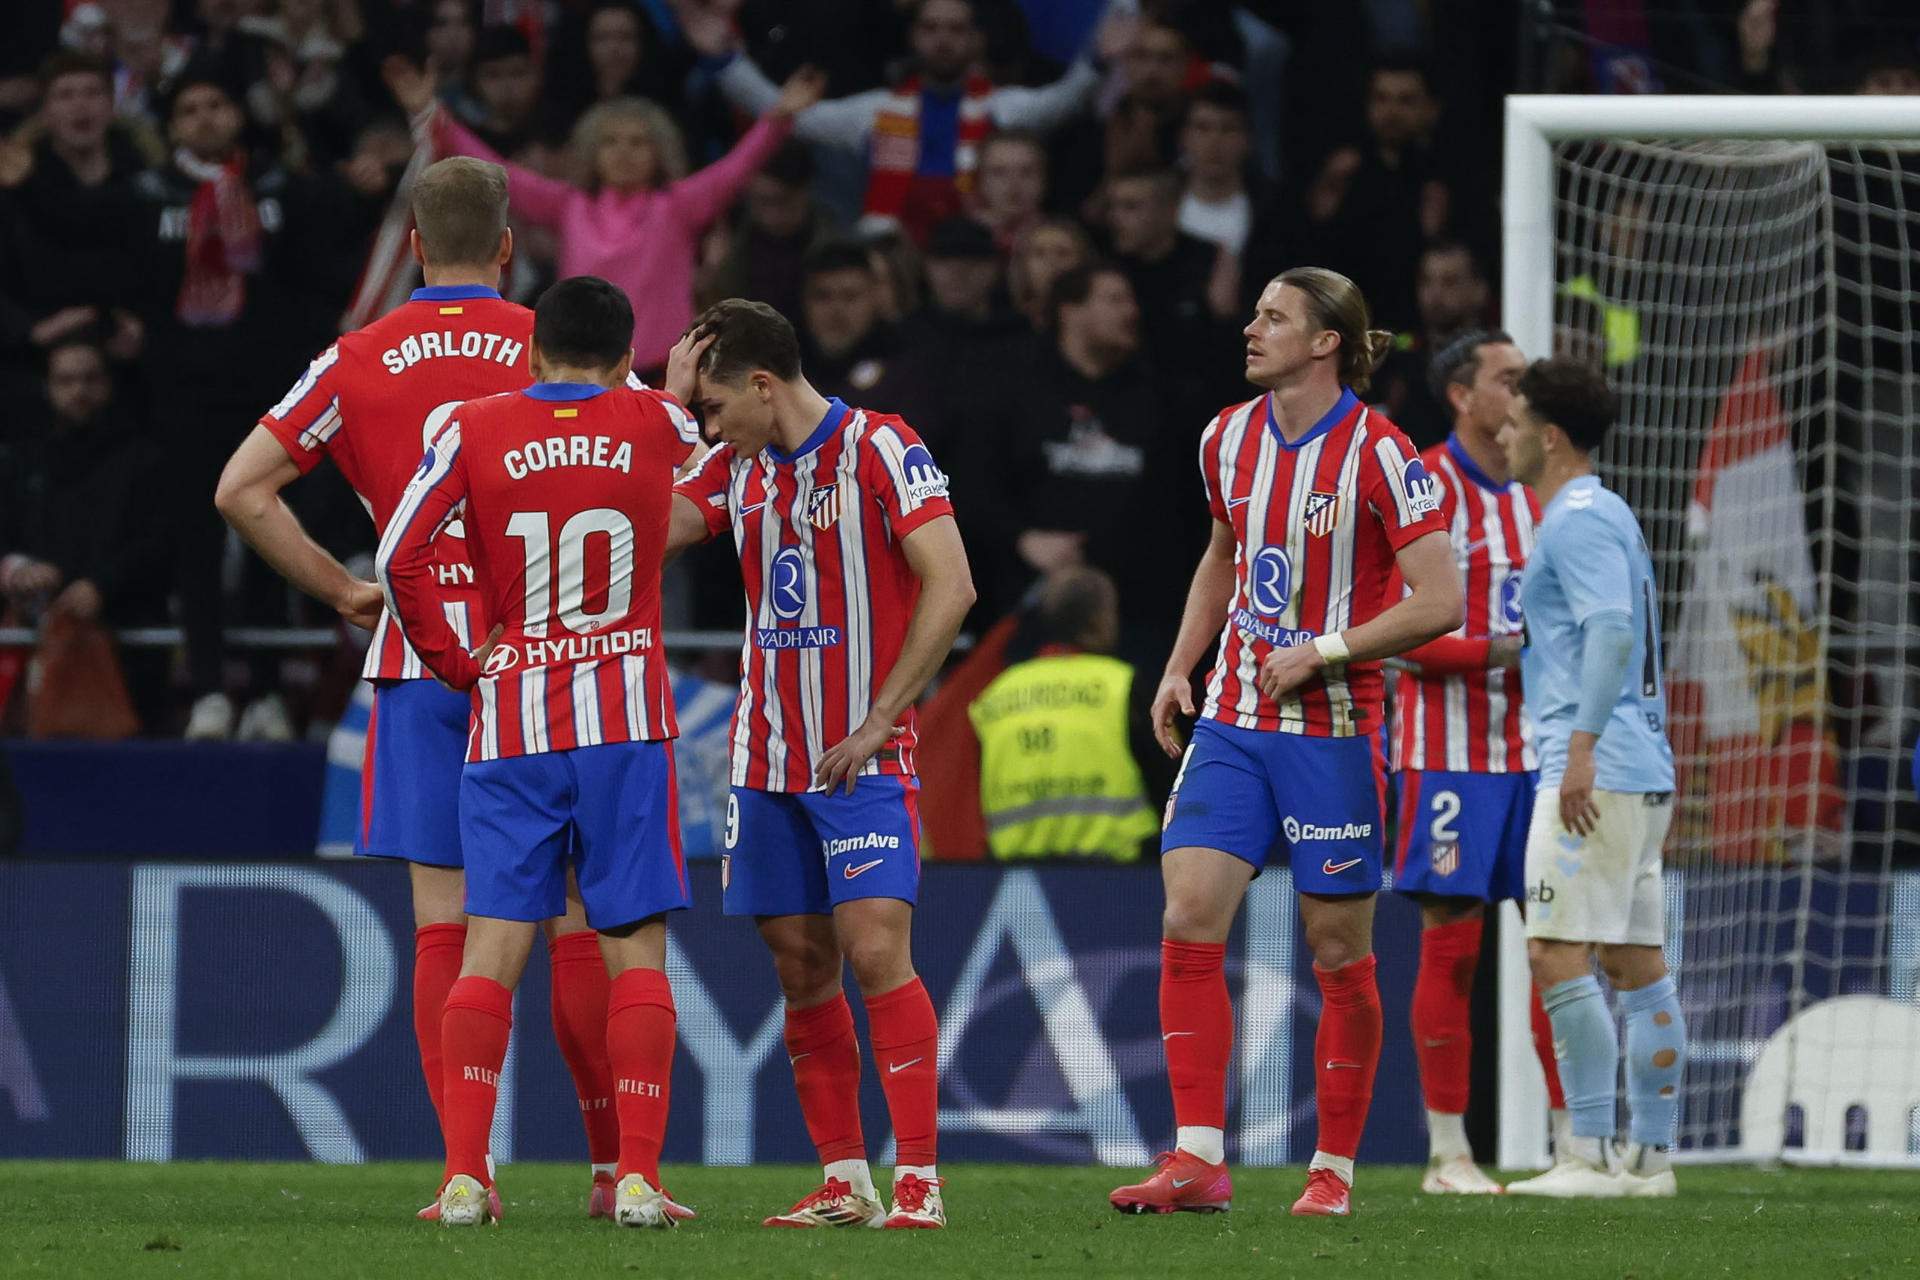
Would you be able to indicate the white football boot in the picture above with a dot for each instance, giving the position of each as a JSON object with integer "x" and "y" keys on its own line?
{"x": 464, "y": 1202}
{"x": 1646, "y": 1172}
{"x": 638, "y": 1203}
{"x": 1458, "y": 1176}
{"x": 1585, "y": 1173}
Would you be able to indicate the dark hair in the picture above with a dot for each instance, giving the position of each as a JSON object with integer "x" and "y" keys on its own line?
{"x": 583, "y": 321}
{"x": 198, "y": 71}
{"x": 1166, "y": 179}
{"x": 1075, "y": 285}
{"x": 1338, "y": 304}
{"x": 1021, "y": 137}
{"x": 460, "y": 210}
{"x": 748, "y": 336}
{"x": 1445, "y": 245}
{"x": 1573, "y": 396}
{"x": 1400, "y": 62}
{"x": 1070, "y": 602}
{"x": 498, "y": 41}
{"x": 791, "y": 165}
{"x": 836, "y": 255}
{"x": 1459, "y": 361}
{"x": 71, "y": 62}
{"x": 1220, "y": 93}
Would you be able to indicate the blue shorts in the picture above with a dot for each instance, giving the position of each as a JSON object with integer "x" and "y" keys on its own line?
{"x": 806, "y": 852}
{"x": 609, "y": 812}
{"x": 410, "y": 778}
{"x": 1248, "y": 791}
{"x": 1464, "y": 835}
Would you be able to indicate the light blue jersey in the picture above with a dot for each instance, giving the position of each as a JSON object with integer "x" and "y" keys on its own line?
{"x": 1591, "y": 560}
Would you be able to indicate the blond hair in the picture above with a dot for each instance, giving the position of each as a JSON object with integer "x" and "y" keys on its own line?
{"x": 460, "y": 211}
{"x": 1338, "y": 305}
{"x": 669, "y": 149}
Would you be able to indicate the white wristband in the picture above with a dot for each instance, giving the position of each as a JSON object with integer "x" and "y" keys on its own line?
{"x": 1332, "y": 648}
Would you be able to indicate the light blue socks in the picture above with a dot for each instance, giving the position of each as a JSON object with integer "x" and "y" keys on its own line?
{"x": 1656, "y": 1056}
{"x": 1588, "y": 1053}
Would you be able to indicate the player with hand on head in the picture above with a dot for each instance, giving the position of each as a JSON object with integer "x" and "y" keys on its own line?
{"x": 565, "y": 489}
{"x": 1316, "y": 500}
{"x": 856, "y": 583}
{"x": 372, "y": 402}
{"x": 1592, "y": 670}
{"x": 1462, "y": 751}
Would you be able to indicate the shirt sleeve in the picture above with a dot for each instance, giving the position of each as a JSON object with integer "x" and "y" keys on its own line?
{"x": 1398, "y": 491}
{"x": 902, "y": 476}
{"x": 707, "y": 489}
{"x": 1604, "y": 583}
{"x": 1210, "y": 470}
{"x": 686, "y": 429}
{"x": 1047, "y": 106}
{"x": 308, "y": 417}
{"x": 404, "y": 563}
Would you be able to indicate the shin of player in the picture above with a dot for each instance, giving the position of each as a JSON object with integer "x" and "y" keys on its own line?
{"x": 564, "y": 491}
{"x": 1463, "y": 757}
{"x": 1592, "y": 668}
{"x": 856, "y": 584}
{"x": 1316, "y": 500}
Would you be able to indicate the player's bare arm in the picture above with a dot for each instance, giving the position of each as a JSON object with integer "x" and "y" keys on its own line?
{"x": 685, "y": 528}
{"x": 1206, "y": 612}
{"x": 249, "y": 497}
{"x": 938, "y": 559}
{"x": 1433, "y": 606}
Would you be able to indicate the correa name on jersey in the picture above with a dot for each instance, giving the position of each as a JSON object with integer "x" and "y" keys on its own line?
{"x": 567, "y": 451}
{"x": 470, "y": 345}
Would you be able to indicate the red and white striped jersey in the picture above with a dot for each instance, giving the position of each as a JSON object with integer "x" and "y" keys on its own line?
{"x": 1457, "y": 714}
{"x": 1316, "y": 526}
{"x": 374, "y": 401}
{"x": 566, "y": 490}
{"x": 829, "y": 590}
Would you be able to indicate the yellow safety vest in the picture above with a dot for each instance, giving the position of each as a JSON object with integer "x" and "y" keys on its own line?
{"x": 1057, "y": 774}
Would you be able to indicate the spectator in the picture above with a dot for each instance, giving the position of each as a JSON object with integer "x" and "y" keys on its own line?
{"x": 1073, "y": 458}
{"x": 848, "y": 349}
{"x": 1216, "y": 206}
{"x": 921, "y": 137}
{"x": 1011, "y": 190}
{"x": 639, "y": 219}
{"x": 1184, "y": 285}
{"x": 1158, "y": 67}
{"x": 76, "y": 508}
{"x": 623, "y": 56}
{"x": 1062, "y": 733}
{"x": 763, "y": 254}
{"x": 453, "y": 32}
{"x": 305, "y": 85}
{"x": 219, "y": 47}
{"x": 506, "y": 94}
{"x": 1373, "y": 206}
{"x": 69, "y": 249}
{"x": 245, "y": 268}
{"x": 1453, "y": 298}
{"x": 1047, "y": 251}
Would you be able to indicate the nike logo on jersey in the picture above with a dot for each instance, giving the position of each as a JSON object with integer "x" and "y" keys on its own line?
{"x": 851, "y": 872}
{"x": 1238, "y": 502}
{"x": 747, "y": 511}
{"x": 1334, "y": 1064}
{"x": 1435, "y": 1044}
{"x": 1472, "y": 547}
{"x": 1171, "y": 1034}
{"x": 893, "y": 1067}
{"x": 795, "y": 1058}
{"x": 1332, "y": 868}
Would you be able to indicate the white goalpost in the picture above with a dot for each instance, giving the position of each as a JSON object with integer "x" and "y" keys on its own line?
{"x": 1745, "y": 271}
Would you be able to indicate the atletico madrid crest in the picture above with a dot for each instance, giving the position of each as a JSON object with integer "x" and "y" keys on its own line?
{"x": 1323, "y": 510}
{"x": 823, "y": 506}
{"x": 1446, "y": 859}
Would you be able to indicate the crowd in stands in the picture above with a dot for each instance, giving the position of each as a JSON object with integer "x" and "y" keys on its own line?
{"x": 1033, "y": 227}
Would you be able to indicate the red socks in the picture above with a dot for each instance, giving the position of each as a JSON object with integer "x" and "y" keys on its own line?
{"x": 1346, "y": 1050}
{"x": 639, "y": 1040}
{"x": 1196, "y": 1030}
{"x": 1442, "y": 1021}
{"x": 1543, "y": 1049}
{"x": 906, "y": 1050}
{"x": 826, "y": 1074}
{"x": 580, "y": 990}
{"x": 473, "y": 1039}
{"x": 436, "y": 963}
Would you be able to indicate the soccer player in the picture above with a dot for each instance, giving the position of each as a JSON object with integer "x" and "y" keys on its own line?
{"x": 856, "y": 584}
{"x": 1592, "y": 671}
{"x": 1462, "y": 753}
{"x": 1315, "y": 500}
{"x": 372, "y": 402}
{"x": 564, "y": 488}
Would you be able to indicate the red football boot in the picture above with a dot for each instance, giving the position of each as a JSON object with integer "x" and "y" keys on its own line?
{"x": 1184, "y": 1184}
{"x": 1327, "y": 1195}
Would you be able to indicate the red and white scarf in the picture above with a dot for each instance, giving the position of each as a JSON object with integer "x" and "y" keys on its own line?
{"x": 223, "y": 242}
{"x": 895, "y": 152}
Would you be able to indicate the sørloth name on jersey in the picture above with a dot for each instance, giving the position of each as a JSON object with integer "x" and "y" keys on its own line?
{"x": 471, "y": 345}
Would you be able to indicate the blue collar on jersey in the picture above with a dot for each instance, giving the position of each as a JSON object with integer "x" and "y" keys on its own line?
{"x": 564, "y": 390}
{"x": 452, "y": 293}
{"x": 1333, "y": 417}
{"x": 836, "y": 414}
{"x": 1464, "y": 460}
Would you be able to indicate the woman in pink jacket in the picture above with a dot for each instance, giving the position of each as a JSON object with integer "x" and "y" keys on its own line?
{"x": 639, "y": 219}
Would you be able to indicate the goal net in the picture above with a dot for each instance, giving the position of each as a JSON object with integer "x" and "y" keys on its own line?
{"x": 1753, "y": 301}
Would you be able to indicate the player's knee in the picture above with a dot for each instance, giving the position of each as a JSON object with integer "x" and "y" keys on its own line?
{"x": 880, "y": 962}
{"x": 1630, "y": 968}
{"x": 1336, "y": 948}
{"x": 808, "y": 972}
{"x": 1191, "y": 917}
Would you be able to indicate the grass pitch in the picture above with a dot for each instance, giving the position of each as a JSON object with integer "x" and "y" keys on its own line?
{"x": 296, "y": 1220}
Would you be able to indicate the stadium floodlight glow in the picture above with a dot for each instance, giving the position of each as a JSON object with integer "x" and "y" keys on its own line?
{"x": 1745, "y": 270}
